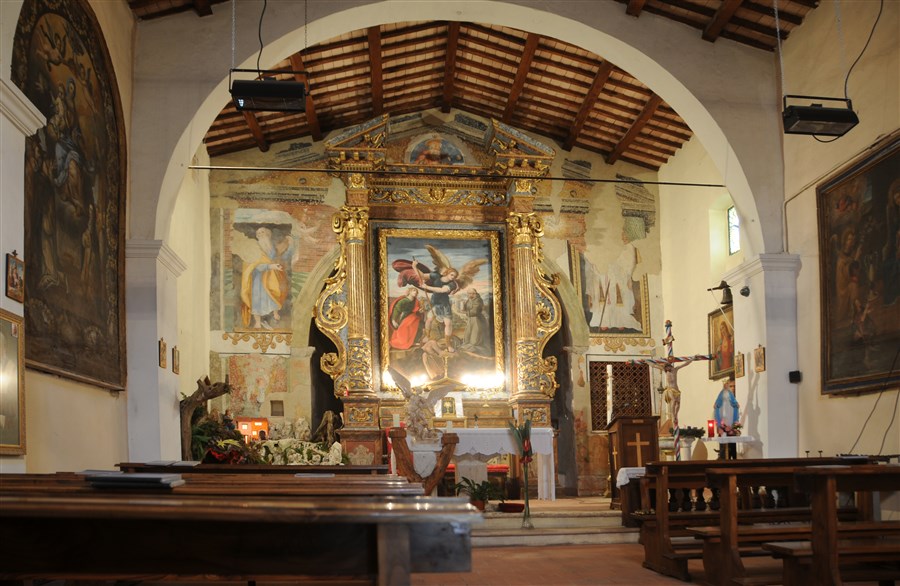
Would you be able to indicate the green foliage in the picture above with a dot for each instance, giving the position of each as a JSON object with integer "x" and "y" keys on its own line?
{"x": 482, "y": 491}
{"x": 689, "y": 431}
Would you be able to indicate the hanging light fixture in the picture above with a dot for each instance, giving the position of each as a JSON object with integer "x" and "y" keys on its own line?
{"x": 813, "y": 118}
{"x": 269, "y": 91}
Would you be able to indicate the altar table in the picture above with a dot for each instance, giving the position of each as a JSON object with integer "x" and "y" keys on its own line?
{"x": 724, "y": 440}
{"x": 477, "y": 446}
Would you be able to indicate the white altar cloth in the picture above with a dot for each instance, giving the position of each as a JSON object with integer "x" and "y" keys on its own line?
{"x": 477, "y": 446}
{"x": 624, "y": 475}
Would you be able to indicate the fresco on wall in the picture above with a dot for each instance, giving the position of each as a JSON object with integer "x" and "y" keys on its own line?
{"x": 74, "y": 195}
{"x": 435, "y": 150}
{"x": 254, "y": 380}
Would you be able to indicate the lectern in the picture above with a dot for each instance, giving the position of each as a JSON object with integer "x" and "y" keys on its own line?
{"x": 633, "y": 441}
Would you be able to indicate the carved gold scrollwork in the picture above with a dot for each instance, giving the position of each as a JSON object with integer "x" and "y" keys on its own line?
{"x": 361, "y": 416}
{"x": 356, "y": 181}
{"x": 539, "y": 416}
{"x": 620, "y": 344}
{"x": 261, "y": 340}
{"x": 358, "y": 374}
{"x": 330, "y": 312}
{"x": 525, "y": 227}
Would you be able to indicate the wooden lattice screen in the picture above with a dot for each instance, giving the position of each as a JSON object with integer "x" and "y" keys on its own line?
{"x": 631, "y": 391}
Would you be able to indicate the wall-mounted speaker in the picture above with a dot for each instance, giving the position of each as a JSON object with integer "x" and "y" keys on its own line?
{"x": 795, "y": 376}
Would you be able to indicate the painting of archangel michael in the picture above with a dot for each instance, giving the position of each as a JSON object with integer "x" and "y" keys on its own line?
{"x": 440, "y": 303}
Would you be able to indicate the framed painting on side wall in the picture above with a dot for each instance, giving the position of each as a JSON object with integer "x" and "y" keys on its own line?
{"x": 721, "y": 342}
{"x": 859, "y": 272}
{"x": 12, "y": 384}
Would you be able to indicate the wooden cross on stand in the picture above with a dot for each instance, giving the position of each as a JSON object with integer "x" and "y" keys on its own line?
{"x": 615, "y": 454}
{"x": 638, "y": 444}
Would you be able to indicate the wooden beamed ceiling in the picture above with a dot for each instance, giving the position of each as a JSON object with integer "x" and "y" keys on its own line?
{"x": 539, "y": 84}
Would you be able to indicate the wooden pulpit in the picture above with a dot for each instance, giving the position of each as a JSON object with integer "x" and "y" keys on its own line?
{"x": 633, "y": 441}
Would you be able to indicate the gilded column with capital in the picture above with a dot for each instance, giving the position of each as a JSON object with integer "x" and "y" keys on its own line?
{"x": 536, "y": 318}
{"x": 343, "y": 314}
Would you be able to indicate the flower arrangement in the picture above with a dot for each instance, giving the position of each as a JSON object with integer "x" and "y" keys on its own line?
{"x": 731, "y": 429}
{"x": 694, "y": 432}
{"x": 522, "y": 436}
{"x": 231, "y": 451}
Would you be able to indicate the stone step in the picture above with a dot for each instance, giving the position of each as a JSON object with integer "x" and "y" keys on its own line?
{"x": 555, "y": 519}
{"x": 540, "y": 536}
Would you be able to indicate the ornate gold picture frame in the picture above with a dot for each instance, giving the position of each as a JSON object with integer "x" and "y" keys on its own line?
{"x": 440, "y": 299}
{"x": 12, "y": 384}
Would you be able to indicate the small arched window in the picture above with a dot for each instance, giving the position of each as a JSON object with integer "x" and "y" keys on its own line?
{"x": 734, "y": 231}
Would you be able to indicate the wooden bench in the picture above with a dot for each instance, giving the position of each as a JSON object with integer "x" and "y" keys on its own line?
{"x": 861, "y": 560}
{"x": 829, "y": 557}
{"x": 668, "y": 544}
{"x": 177, "y": 468}
{"x": 103, "y": 535}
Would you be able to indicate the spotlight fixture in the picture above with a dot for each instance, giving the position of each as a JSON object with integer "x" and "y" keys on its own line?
{"x": 745, "y": 291}
{"x": 269, "y": 93}
{"x": 818, "y": 119}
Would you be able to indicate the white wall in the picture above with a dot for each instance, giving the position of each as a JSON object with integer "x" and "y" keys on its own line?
{"x": 831, "y": 424}
{"x": 190, "y": 240}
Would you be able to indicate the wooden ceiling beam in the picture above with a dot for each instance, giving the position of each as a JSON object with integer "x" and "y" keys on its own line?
{"x": 769, "y": 11}
{"x": 436, "y": 38}
{"x": 375, "y": 65}
{"x": 255, "y": 130}
{"x": 450, "y": 66}
{"x": 531, "y": 44}
{"x": 495, "y": 34}
{"x": 412, "y": 30}
{"x": 312, "y": 121}
{"x": 589, "y": 100}
{"x": 634, "y": 7}
{"x": 645, "y": 116}
{"x": 723, "y": 15}
{"x": 513, "y": 52}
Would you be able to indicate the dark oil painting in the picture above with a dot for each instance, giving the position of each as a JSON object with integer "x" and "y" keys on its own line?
{"x": 859, "y": 252}
{"x": 74, "y": 195}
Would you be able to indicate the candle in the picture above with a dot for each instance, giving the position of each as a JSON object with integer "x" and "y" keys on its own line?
{"x": 396, "y": 421}
{"x": 711, "y": 427}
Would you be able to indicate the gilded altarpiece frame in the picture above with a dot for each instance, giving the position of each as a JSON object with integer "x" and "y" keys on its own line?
{"x": 414, "y": 339}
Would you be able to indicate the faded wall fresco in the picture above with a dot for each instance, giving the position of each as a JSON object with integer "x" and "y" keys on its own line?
{"x": 271, "y": 229}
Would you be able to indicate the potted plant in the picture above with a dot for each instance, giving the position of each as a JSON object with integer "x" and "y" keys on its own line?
{"x": 479, "y": 493}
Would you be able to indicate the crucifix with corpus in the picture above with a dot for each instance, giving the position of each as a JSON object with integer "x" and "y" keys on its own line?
{"x": 672, "y": 394}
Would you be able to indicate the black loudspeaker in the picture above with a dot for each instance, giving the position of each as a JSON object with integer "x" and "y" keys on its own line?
{"x": 795, "y": 376}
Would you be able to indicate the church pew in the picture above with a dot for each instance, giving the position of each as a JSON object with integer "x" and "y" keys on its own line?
{"x": 237, "y": 484}
{"x": 175, "y": 468}
{"x": 99, "y": 536}
{"x": 725, "y": 546}
{"x": 668, "y": 545}
{"x": 825, "y": 558}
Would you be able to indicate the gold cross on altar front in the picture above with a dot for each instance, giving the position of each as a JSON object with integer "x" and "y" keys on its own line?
{"x": 637, "y": 443}
{"x": 615, "y": 459}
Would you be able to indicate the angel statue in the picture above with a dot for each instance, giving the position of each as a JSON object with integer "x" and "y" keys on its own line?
{"x": 419, "y": 407}
{"x": 442, "y": 281}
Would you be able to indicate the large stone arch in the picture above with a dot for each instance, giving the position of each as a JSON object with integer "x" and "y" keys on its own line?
{"x": 735, "y": 116}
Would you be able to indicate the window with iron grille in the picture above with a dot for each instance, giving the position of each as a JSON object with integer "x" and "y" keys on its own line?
{"x": 631, "y": 391}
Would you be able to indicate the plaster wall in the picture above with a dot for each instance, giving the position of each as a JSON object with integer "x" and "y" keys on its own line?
{"x": 693, "y": 239}
{"x": 190, "y": 240}
{"x": 814, "y": 66}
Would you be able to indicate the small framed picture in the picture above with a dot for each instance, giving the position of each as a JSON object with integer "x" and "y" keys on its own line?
{"x": 759, "y": 359}
{"x": 15, "y": 278}
{"x": 162, "y": 353}
{"x": 739, "y": 365}
{"x": 176, "y": 360}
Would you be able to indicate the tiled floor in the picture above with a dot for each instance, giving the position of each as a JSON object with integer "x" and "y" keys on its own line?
{"x": 557, "y": 565}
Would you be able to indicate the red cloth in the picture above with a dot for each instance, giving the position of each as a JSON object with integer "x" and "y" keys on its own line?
{"x": 405, "y": 335}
